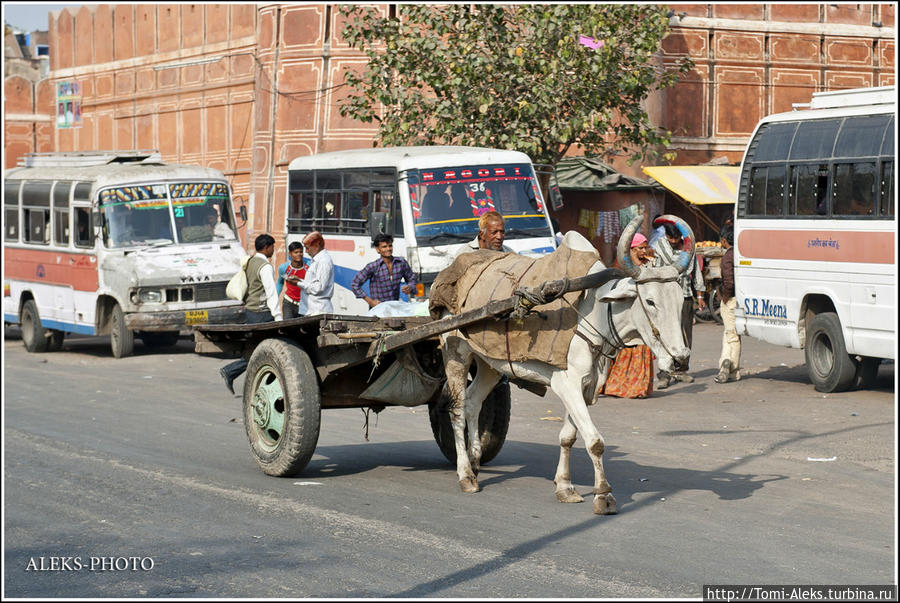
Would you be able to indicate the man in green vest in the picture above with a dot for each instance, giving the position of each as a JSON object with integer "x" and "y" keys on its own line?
{"x": 261, "y": 301}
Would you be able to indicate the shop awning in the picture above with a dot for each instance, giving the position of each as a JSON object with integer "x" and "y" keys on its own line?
{"x": 700, "y": 185}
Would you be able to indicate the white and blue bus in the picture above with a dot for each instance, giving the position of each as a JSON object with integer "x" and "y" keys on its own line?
{"x": 815, "y": 226}
{"x": 428, "y": 198}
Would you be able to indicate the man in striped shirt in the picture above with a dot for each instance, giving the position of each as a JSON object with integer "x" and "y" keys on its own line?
{"x": 667, "y": 248}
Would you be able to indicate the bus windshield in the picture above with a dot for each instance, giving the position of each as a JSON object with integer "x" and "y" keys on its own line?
{"x": 447, "y": 202}
{"x": 143, "y": 214}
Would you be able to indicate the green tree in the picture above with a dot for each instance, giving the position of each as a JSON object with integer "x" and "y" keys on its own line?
{"x": 511, "y": 76}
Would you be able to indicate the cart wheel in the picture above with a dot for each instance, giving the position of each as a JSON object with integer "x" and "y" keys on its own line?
{"x": 493, "y": 423}
{"x": 282, "y": 407}
{"x": 33, "y": 335}
{"x": 830, "y": 368}
{"x": 121, "y": 338}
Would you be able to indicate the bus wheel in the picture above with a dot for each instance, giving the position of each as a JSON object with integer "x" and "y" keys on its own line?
{"x": 121, "y": 338}
{"x": 830, "y": 368}
{"x": 56, "y": 341}
{"x": 32, "y": 331}
{"x": 160, "y": 339}
{"x": 282, "y": 407}
{"x": 493, "y": 423}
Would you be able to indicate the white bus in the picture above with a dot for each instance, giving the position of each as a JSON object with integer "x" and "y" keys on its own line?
{"x": 815, "y": 256}
{"x": 115, "y": 243}
{"x": 428, "y": 198}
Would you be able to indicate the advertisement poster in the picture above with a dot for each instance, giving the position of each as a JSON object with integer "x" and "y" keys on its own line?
{"x": 68, "y": 104}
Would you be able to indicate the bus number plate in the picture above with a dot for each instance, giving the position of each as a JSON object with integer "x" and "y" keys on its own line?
{"x": 195, "y": 317}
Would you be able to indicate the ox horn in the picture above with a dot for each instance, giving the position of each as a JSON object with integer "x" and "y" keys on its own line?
{"x": 623, "y": 250}
{"x": 686, "y": 257}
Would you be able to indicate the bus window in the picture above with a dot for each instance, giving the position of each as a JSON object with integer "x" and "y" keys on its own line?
{"x": 887, "y": 147}
{"x": 767, "y": 191}
{"x": 337, "y": 201}
{"x": 774, "y": 142}
{"x": 815, "y": 139}
{"x": 809, "y": 188}
{"x": 61, "y": 213}
{"x": 853, "y": 192}
{"x": 887, "y": 189}
{"x": 202, "y": 213}
{"x": 83, "y": 230}
{"x": 36, "y": 211}
{"x": 11, "y": 210}
{"x": 861, "y": 136}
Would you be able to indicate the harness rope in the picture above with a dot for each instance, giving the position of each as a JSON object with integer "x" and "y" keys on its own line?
{"x": 529, "y": 299}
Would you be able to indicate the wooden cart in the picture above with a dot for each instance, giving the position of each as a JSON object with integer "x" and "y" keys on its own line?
{"x": 300, "y": 366}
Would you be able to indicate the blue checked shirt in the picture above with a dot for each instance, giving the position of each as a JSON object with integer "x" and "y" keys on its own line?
{"x": 381, "y": 284}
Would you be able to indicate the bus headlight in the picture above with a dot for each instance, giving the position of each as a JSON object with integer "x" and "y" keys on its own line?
{"x": 150, "y": 296}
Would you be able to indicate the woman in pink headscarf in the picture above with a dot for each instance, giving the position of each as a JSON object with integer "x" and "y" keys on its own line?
{"x": 631, "y": 375}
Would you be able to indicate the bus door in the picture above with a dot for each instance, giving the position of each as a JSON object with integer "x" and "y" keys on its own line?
{"x": 83, "y": 261}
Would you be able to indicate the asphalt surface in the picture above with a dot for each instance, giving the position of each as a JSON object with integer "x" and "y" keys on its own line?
{"x": 144, "y": 459}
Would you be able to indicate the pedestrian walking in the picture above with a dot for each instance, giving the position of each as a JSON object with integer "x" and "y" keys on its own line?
{"x": 261, "y": 301}
{"x": 290, "y": 273}
{"x": 730, "y": 359}
{"x": 631, "y": 374}
{"x": 384, "y": 275}
{"x": 319, "y": 281}
{"x": 667, "y": 248}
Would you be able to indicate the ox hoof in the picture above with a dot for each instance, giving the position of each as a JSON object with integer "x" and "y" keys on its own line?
{"x": 569, "y": 495}
{"x": 605, "y": 504}
{"x": 469, "y": 485}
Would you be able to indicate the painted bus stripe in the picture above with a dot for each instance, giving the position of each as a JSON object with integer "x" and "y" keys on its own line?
{"x": 817, "y": 246}
{"x": 76, "y": 270}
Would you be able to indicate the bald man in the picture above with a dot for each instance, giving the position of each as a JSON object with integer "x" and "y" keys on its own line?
{"x": 491, "y": 234}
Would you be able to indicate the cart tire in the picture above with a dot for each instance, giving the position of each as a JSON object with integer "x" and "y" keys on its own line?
{"x": 282, "y": 407}
{"x": 866, "y": 372}
{"x": 33, "y": 335}
{"x": 159, "y": 339}
{"x": 493, "y": 423}
{"x": 121, "y": 338}
{"x": 56, "y": 341}
{"x": 830, "y": 368}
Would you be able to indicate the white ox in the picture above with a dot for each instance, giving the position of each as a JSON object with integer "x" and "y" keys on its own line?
{"x": 643, "y": 308}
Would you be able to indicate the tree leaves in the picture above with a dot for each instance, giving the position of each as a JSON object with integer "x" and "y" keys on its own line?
{"x": 511, "y": 76}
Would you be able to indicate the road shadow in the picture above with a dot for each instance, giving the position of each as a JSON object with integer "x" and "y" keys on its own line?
{"x": 704, "y": 379}
{"x": 99, "y": 346}
{"x": 522, "y": 460}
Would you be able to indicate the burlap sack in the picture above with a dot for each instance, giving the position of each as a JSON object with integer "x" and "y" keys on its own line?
{"x": 479, "y": 277}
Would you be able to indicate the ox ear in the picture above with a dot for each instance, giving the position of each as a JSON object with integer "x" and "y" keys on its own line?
{"x": 617, "y": 291}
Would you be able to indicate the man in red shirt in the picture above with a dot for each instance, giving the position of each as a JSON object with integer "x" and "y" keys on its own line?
{"x": 293, "y": 305}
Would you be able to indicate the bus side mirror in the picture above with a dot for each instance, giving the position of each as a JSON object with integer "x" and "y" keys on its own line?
{"x": 243, "y": 212}
{"x": 378, "y": 222}
{"x": 556, "y": 198}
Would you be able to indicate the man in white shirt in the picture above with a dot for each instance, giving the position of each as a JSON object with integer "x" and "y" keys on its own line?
{"x": 319, "y": 281}
{"x": 261, "y": 301}
{"x": 220, "y": 230}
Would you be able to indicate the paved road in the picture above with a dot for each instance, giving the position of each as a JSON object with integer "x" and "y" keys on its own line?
{"x": 143, "y": 460}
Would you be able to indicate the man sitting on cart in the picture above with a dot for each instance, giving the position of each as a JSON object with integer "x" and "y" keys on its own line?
{"x": 384, "y": 274}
